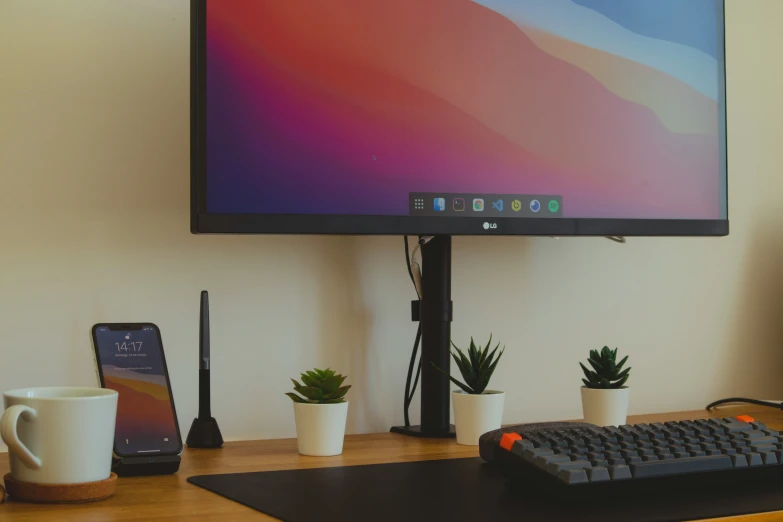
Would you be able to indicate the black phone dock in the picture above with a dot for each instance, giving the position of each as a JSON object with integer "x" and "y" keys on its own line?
{"x": 141, "y": 466}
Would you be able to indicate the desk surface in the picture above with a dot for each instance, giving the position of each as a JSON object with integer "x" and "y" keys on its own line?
{"x": 171, "y": 497}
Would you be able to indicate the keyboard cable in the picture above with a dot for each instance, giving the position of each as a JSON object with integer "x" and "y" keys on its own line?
{"x": 741, "y": 400}
{"x": 409, "y": 262}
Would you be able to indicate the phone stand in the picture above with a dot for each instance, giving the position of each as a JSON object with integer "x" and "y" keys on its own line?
{"x": 141, "y": 466}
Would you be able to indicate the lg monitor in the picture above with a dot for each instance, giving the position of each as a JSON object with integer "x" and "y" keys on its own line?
{"x": 458, "y": 117}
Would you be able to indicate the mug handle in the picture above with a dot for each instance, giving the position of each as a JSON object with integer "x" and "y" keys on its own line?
{"x": 11, "y": 438}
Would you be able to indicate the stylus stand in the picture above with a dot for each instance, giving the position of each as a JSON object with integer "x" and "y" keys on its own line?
{"x": 204, "y": 433}
{"x": 141, "y": 466}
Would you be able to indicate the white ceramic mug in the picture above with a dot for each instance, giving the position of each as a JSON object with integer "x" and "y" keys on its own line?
{"x": 59, "y": 435}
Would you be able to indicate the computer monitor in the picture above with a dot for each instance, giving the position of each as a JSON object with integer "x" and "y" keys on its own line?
{"x": 458, "y": 117}
{"x": 555, "y": 117}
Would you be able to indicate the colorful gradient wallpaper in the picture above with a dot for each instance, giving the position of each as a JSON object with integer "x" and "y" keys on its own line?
{"x": 348, "y": 106}
{"x": 133, "y": 366}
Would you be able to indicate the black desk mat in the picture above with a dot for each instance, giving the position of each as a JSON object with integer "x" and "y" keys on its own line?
{"x": 456, "y": 489}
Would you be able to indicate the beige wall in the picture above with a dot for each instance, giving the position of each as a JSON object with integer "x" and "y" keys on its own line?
{"x": 94, "y": 227}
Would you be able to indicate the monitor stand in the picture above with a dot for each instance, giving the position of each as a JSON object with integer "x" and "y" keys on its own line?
{"x": 435, "y": 315}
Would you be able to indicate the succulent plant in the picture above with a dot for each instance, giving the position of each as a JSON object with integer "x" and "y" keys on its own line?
{"x": 476, "y": 368}
{"x": 606, "y": 373}
{"x": 320, "y": 387}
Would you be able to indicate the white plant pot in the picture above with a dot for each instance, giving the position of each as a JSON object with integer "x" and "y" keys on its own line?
{"x": 605, "y": 407}
{"x": 320, "y": 428}
{"x": 474, "y": 415}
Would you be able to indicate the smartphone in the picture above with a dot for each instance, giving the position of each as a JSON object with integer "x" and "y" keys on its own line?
{"x": 129, "y": 359}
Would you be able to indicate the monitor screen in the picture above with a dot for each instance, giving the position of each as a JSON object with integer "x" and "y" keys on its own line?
{"x": 439, "y": 115}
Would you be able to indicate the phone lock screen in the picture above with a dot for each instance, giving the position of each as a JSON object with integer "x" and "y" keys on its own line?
{"x": 131, "y": 362}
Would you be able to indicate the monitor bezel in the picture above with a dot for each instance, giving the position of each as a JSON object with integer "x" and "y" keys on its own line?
{"x": 203, "y": 222}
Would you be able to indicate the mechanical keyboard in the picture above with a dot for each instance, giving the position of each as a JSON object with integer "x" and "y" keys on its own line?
{"x": 582, "y": 458}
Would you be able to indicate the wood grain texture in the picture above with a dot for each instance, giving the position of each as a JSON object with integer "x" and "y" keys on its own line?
{"x": 172, "y": 498}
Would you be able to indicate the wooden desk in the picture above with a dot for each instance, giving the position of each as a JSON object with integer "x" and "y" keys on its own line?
{"x": 171, "y": 497}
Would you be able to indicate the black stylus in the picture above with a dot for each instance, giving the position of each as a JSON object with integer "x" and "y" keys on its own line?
{"x": 204, "y": 432}
{"x": 204, "y": 408}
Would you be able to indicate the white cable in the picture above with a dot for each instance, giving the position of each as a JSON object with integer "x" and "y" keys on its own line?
{"x": 416, "y": 270}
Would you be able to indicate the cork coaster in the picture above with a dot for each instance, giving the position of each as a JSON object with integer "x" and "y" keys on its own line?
{"x": 60, "y": 493}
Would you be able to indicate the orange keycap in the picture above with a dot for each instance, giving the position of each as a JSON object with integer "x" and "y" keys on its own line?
{"x": 745, "y": 418}
{"x": 509, "y": 439}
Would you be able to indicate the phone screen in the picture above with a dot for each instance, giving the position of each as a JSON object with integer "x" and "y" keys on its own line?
{"x": 131, "y": 362}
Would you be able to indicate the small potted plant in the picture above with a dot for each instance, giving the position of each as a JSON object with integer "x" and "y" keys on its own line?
{"x": 320, "y": 411}
{"x": 476, "y": 409}
{"x": 605, "y": 395}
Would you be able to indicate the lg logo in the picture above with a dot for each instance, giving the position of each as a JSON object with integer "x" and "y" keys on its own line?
{"x": 490, "y": 226}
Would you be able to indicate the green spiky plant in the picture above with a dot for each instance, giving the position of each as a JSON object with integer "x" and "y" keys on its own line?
{"x": 476, "y": 368}
{"x": 606, "y": 373}
{"x": 320, "y": 387}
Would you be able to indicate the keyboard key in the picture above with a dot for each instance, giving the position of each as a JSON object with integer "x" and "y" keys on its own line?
{"x": 735, "y": 427}
{"x": 632, "y": 460}
{"x": 599, "y": 463}
{"x": 679, "y": 466}
{"x": 769, "y": 458}
{"x": 556, "y": 467}
{"x": 620, "y": 472}
{"x": 758, "y": 425}
{"x": 562, "y": 451}
{"x": 573, "y": 476}
{"x": 598, "y": 474}
{"x": 608, "y": 438}
{"x": 763, "y": 439}
{"x": 710, "y": 452}
{"x": 616, "y": 461}
{"x": 754, "y": 459}
{"x": 698, "y": 453}
{"x": 629, "y": 453}
{"x": 557, "y": 443}
{"x": 729, "y": 451}
{"x": 530, "y": 454}
{"x": 762, "y": 448}
{"x": 648, "y": 458}
{"x": 739, "y": 461}
{"x": 665, "y": 456}
{"x": 753, "y": 434}
{"x": 543, "y": 460}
